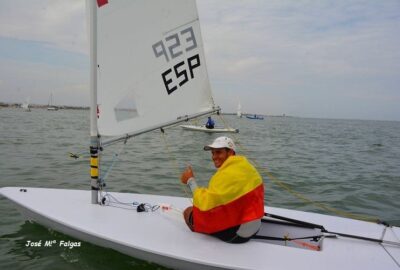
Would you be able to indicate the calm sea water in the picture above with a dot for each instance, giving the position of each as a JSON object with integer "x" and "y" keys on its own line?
{"x": 350, "y": 165}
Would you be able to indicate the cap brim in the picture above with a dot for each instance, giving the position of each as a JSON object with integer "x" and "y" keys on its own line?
{"x": 210, "y": 147}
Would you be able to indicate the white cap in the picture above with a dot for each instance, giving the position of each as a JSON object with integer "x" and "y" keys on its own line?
{"x": 221, "y": 142}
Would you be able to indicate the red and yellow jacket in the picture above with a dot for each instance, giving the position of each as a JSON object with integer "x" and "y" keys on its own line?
{"x": 235, "y": 195}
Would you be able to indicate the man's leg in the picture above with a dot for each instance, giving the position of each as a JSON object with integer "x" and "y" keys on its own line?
{"x": 188, "y": 216}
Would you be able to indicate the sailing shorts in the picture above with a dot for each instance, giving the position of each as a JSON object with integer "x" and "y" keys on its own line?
{"x": 228, "y": 235}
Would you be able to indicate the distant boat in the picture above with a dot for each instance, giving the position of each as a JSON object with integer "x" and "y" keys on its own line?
{"x": 210, "y": 130}
{"x": 255, "y": 116}
{"x": 50, "y": 105}
{"x": 25, "y": 106}
{"x": 239, "y": 111}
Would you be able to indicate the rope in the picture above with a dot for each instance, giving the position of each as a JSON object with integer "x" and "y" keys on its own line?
{"x": 114, "y": 159}
{"x": 110, "y": 200}
{"x": 84, "y": 153}
{"x": 299, "y": 196}
{"x": 175, "y": 165}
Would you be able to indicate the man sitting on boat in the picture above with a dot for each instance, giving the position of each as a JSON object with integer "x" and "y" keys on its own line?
{"x": 210, "y": 123}
{"x": 232, "y": 205}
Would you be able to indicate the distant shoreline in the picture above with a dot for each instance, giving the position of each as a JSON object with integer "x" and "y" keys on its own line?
{"x": 258, "y": 114}
{"x": 41, "y": 106}
{"x": 15, "y": 105}
{"x": 66, "y": 107}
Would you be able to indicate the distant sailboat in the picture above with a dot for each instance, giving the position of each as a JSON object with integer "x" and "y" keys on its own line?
{"x": 50, "y": 105}
{"x": 25, "y": 106}
{"x": 207, "y": 130}
{"x": 239, "y": 110}
{"x": 255, "y": 117}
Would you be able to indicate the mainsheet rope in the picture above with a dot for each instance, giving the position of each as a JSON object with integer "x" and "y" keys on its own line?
{"x": 175, "y": 165}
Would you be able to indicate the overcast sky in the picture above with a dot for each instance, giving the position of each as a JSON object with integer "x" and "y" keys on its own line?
{"x": 325, "y": 59}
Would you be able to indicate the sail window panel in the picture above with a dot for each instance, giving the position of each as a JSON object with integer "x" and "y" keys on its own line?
{"x": 126, "y": 108}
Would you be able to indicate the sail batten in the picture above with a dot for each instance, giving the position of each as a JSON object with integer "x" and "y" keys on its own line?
{"x": 151, "y": 65}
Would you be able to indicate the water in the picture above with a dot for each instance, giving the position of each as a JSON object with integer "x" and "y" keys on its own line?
{"x": 350, "y": 165}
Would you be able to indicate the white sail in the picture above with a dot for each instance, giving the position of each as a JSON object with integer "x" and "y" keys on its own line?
{"x": 25, "y": 105}
{"x": 239, "y": 110}
{"x": 151, "y": 65}
{"x": 50, "y": 105}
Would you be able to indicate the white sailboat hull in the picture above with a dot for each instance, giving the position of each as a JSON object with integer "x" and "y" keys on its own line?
{"x": 163, "y": 237}
{"x": 208, "y": 130}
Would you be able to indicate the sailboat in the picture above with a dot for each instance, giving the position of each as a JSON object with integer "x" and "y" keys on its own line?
{"x": 50, "y": 105}
{"x": 151, "y": 53}
{"x": 216, "y": 129}
{"x": 254, "y": 116}
{"x": 25, "y": 106}
{"x": 239, "y": 111}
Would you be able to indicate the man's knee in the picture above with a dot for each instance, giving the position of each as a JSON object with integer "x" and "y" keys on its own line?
{"x": 188, "y": 216}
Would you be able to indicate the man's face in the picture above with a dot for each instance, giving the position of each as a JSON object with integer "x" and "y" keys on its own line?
{"x": 219, "y": 155}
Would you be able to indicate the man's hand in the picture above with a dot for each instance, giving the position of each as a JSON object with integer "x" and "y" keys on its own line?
{"x": 187, "y": 174}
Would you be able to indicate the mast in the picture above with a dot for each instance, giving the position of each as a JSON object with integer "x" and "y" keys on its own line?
{"x": 94, "y": 138}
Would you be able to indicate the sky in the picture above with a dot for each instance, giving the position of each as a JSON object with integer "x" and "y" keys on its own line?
{"x": 320, "y": 59}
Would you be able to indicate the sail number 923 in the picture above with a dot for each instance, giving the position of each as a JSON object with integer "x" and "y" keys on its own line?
{"x": 171, "y": 47}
